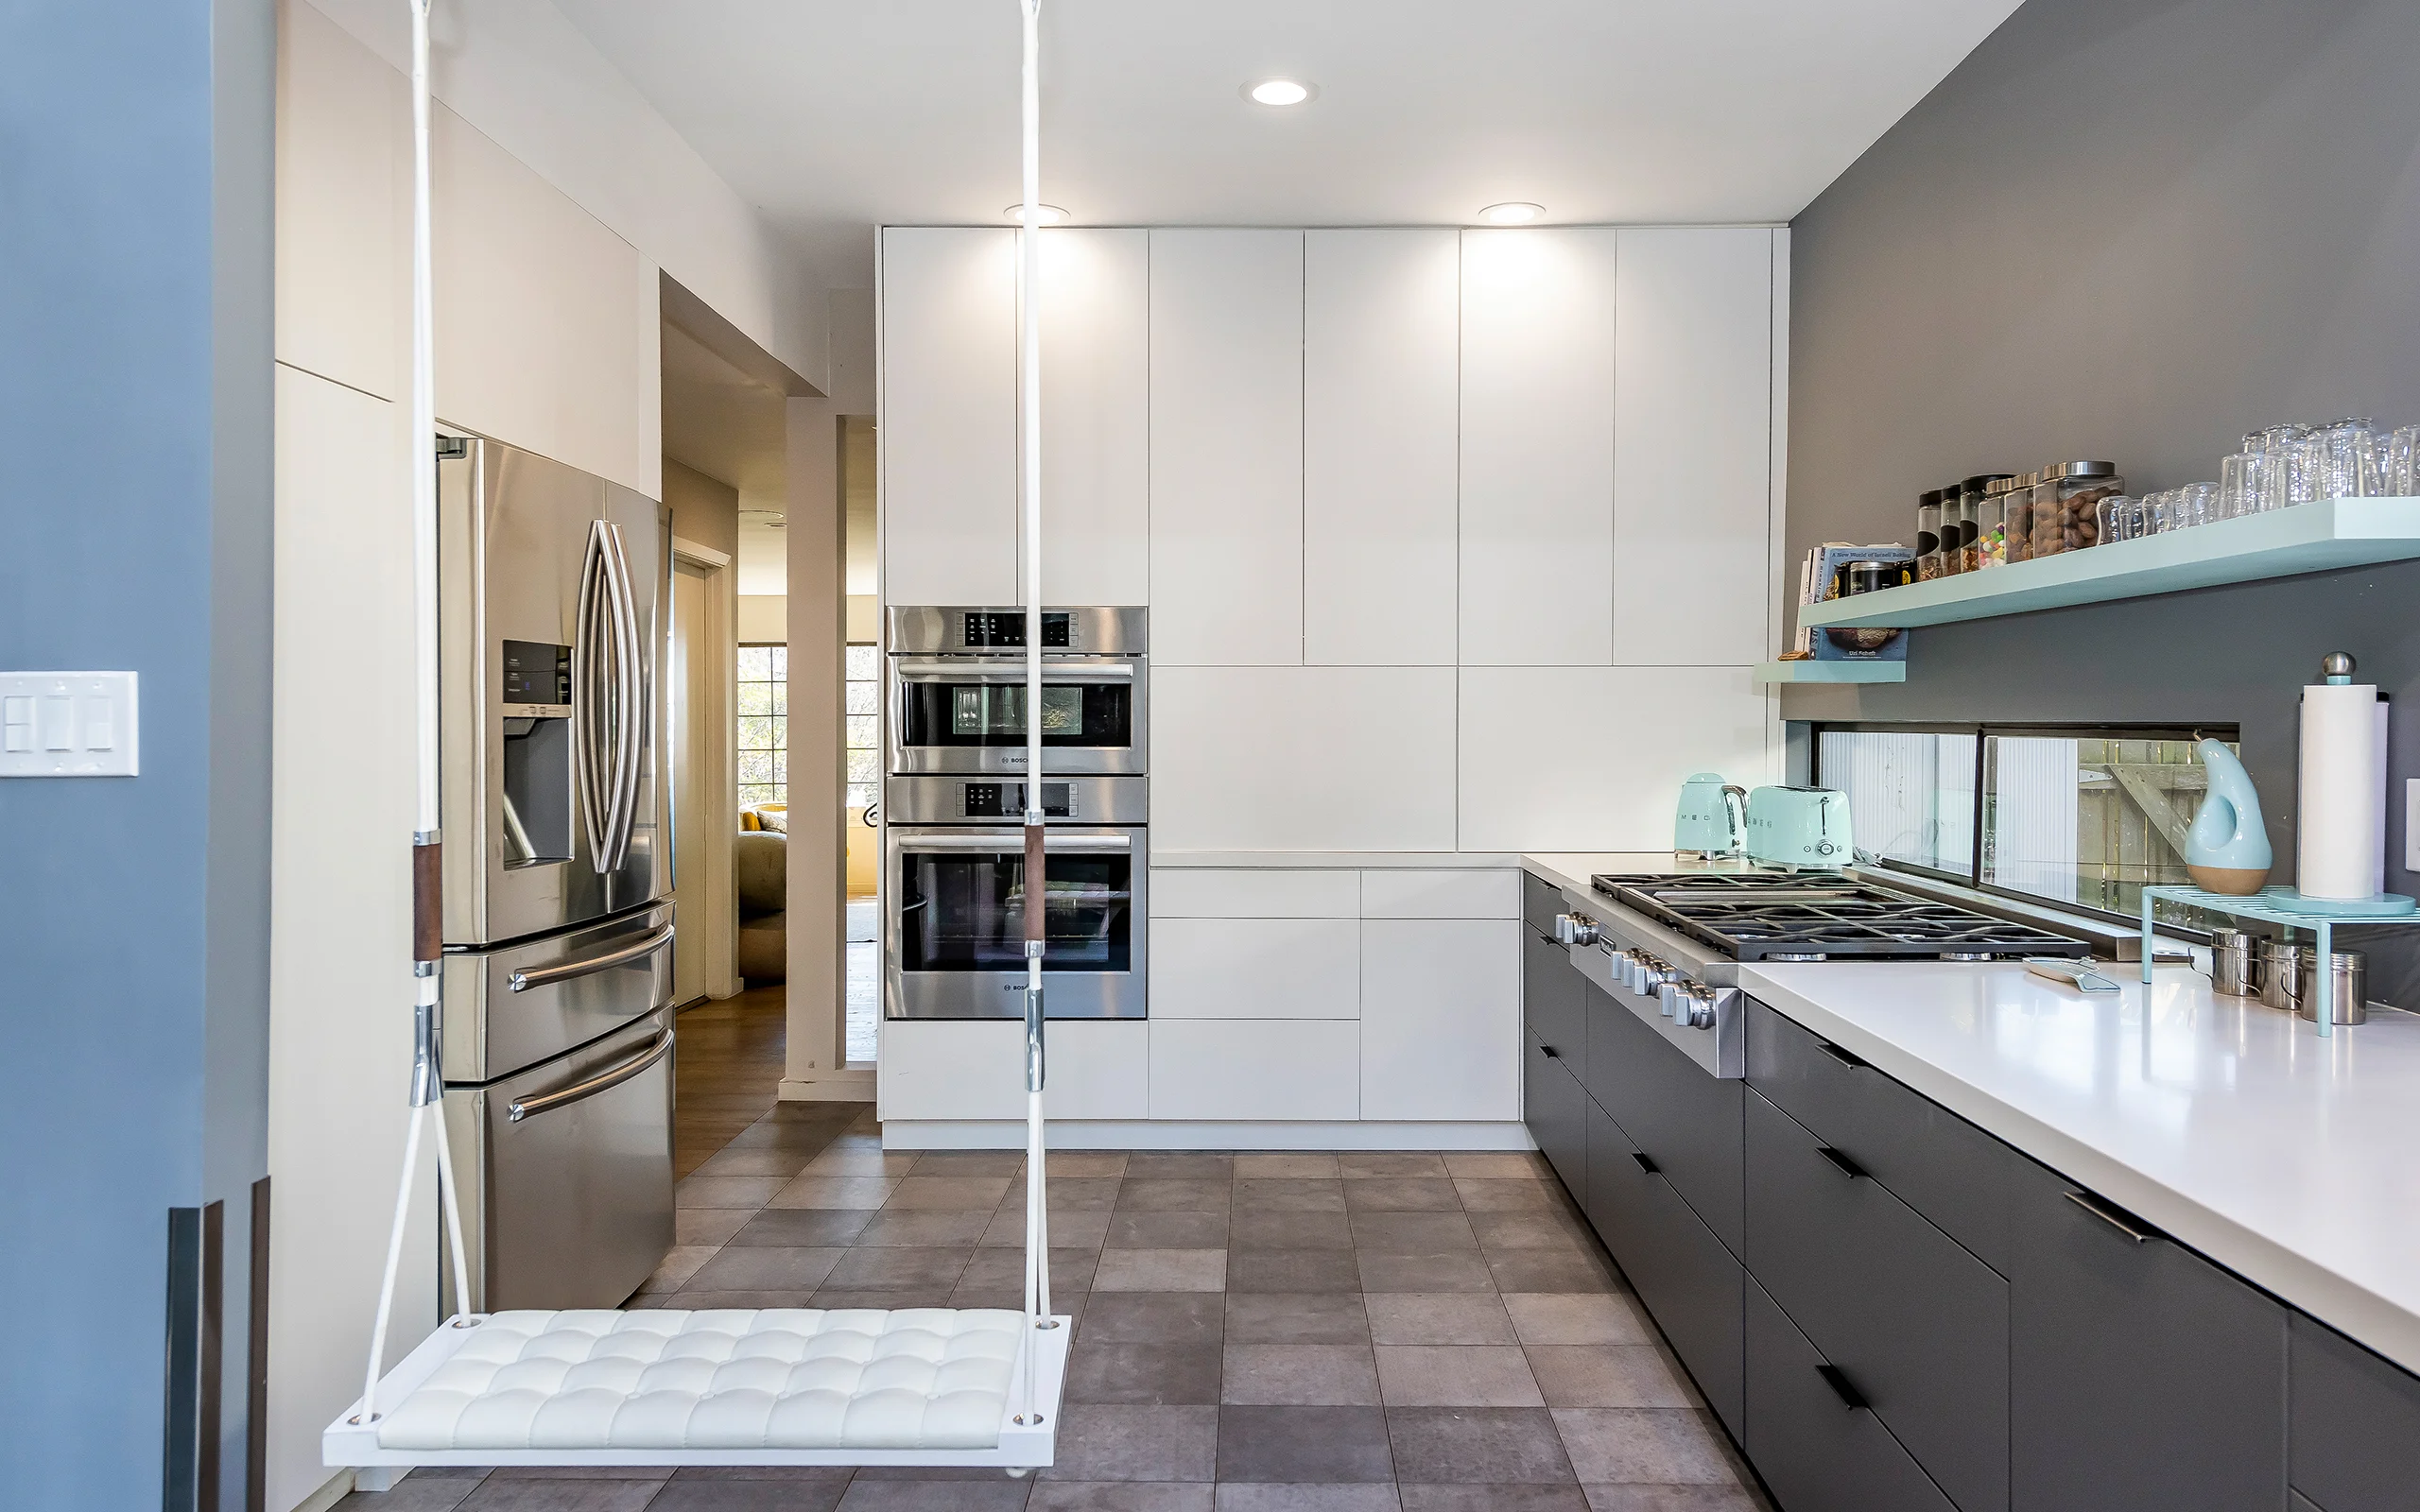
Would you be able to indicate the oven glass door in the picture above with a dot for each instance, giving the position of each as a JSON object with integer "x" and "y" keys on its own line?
{"x": 968, "y": 716}
{"x": 958, "y": 899}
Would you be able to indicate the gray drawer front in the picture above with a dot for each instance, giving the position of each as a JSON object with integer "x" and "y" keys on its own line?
{"x": 1685, "y": 1275}
{"x": 1935, "y": 1161}
{"x": 1815, "y": 1452}
{"x": 2356, "y": 1428}
{"x": 1551, "y": 997}
{"x": 1554, "y": 1107}
{"x": 1540, "y": 902}
{"x": 1686, "y": 1120}
{"x": 1920, "y": 1325}
{"x": 2296, "y": 1501}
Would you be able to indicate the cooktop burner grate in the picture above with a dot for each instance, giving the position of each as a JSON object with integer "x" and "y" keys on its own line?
{"x": 1753, "y": 915}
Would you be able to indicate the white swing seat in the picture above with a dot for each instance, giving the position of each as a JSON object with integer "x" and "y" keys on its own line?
{"x": 928, "y": 1386}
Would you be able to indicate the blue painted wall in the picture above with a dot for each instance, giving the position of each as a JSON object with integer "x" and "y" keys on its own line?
{"x": 135, "y": 299}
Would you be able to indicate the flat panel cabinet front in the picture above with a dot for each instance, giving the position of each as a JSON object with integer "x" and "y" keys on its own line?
{"x": 1687, "y": 1121}
{"x": 1096, "y": 425}
{"x": 1551, "y": 999}
{"x": 1293, "y": 1069}
{"x": 1256, "y": 969}
{"x": 1440, "y": 1016}
{"x": 974, "y": 1069}
{"x": 2356, "y": 1430}
{"x": 949, "y": 401}
{"x": 1556, "y": 1111}
{"x": 2141, "y": 1375}
{"x": 1817, "y": 1451}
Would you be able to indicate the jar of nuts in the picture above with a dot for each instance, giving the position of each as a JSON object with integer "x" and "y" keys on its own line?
{"x": 2066, "y": 501}
{"x": 2019, "y": 511}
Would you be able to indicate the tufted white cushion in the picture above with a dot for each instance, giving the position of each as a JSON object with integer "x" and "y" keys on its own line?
{"x": 781, "y": 1377}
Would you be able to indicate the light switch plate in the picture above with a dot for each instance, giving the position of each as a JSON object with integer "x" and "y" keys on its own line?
{"x": 67, "y": 724}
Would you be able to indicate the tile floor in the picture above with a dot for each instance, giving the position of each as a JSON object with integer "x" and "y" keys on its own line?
{"x": 1374, "y": 1333}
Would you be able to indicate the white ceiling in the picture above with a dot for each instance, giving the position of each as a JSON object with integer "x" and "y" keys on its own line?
{"x": 839, "y": 117}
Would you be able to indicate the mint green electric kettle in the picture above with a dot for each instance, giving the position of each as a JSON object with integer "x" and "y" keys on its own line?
{"x": 1712, "y": 821}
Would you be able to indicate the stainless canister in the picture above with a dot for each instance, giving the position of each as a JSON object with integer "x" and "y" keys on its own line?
{"x": 2281, "y": 973}
{"x": 2349, "y": 1002}
{"x": 2232, "y": 963}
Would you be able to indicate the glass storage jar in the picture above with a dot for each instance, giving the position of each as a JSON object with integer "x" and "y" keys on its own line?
{"x": 1956, "y": 519}
{"x": 1928, "y": 535}
{"x": 2017, "y": 517}
{"x": 1975, "y": 489}
{"x": 1990, "y": 525}
{"x": 2067, "y": 505}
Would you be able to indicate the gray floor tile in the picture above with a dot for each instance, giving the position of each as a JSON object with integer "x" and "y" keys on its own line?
{"x": 1477, "y": 1446}
{"x": 1660, "y": 1446}
{"x": 797, "y": 1474}
{"x": 764, "y": 1268}
{"x": 1110, "y": 1443}
{"x": 1314, "y": 1167}
{"x": 1119, "y": 1496}
{"x": 1551, "y": 1270}
{"x": 1085, "y": 1162}
{"x": 1249, "y": 1497}
{"x": 1155, "y": 1317}
{"x": 1132, "y": 1230}
{"x": 1293, "y": 1270}
{"x": 1161, "y": 1270}
{"x": 1144, "y": 1375}
{"x": 1078, "y": 1227}
{"x": 1307, "y": 1375}
{"x": 1296, "y": 1317}
{"x": 1379, "y": 1164}
{"x": 804, "y": 1228}
{"x": 879, "y": 1298}
{"x": 749, "y": 1495}
{"x": 1673, "y": 1499}
{"x": 1071, "y": 1270}
{"x": 1288, "y": 1195}
{"x": 727, "y": 1190}
{"x": 808, "y": 1190}
{"x": 1498, "y": 1163}
{"x": 1438, "y": 1318}
{"x": 1404, "y": 1194}
{"x": 1505, "y": 1194}
{"x": 696, "y": 1299}
{"x": 924, "y": 1228}
{"x": 496, "y": 1494}
{"x": 1074, "y": 1193}
{"x": 1413, "y": 1233}
{"x": 900, "y": 1269}
{"x": 677, "y": 1266}
{"x": 1181, "y": 1165}
{"x": 728, "y": 1162}
{"x": 1607, "y": 1375}
{"x": 1457, "y": 1375}
{"x": 414, "y": 1495}
{"x": 859, "y": 1161}
{"x": 1453, "y": 1271}
{"x": 1000, "y": 1495}
{"x": 708, "y": 1226}
{"x": 1577, "y": 1319}
{"x": 980, "y": 1194}
{"x": 1175, "y": 1194}
{"x": 1249, "y": 1229}
{"x": 1494, "y": 1497}
{"x": 969, "y": 1162}
{"x": 1527, "y": 1230}
{"x": 1298, "y": 1445}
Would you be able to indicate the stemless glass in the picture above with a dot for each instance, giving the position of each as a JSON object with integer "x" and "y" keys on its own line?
{"x": 2198, "y": 503}
{"x": 2347, "y": 459}
{"x": 2117, "y": 518}
{"x": 2399, "y": 463}
{"x": 2241, "y": 478}
{"x": 2304, "y": 472}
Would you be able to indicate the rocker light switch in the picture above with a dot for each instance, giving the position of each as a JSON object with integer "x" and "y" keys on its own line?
{"x": 67, "y": 724}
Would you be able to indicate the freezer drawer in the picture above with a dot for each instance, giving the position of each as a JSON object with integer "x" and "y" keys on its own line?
{"x": 513, "y": 1007}
{"x": 566, "y": 1174}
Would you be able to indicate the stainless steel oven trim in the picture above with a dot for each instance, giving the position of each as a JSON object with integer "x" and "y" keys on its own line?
{"x": 1000, "y": 994}
{"x": 1009, "y": 670}
{"x": 1096, "y": 630}
{"x": 1131, "y": 760}
{"x": 1095, "y": 800}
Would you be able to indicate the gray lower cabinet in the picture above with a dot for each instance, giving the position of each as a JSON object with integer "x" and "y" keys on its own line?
{"x": 1686, "y": 1120}
{"x": 2140, "y": 1374}
{"x": 1916, "y": 1326}
{"x": 2356, "y": 1425}
{"x": 1554, "y": 1109}
{"x": 1818, "y": 1445}
{"x": 1551, "y": 993}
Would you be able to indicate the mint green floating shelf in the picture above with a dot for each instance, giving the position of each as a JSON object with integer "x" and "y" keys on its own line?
{"x": 1831, "y": 672}
{"x": 2306, "y": 537}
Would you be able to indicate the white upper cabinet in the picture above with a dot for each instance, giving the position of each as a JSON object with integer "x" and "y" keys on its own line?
{"x": 1226, "y": 439}
{"x": 1381, "y": 333}
{"x": 949, "y": 405}
{"x": 1537, "y": 448}
{"x": 1693, "y": 472}
{"x": 1096, "y": 416}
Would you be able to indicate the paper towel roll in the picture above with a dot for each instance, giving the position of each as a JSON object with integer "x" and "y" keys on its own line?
{"x": 2338, "y": 834}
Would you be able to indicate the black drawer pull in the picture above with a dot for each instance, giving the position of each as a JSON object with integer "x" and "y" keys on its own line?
{"x": 1838, "y": 1379}
{"x": 1550, "y": 1052}
{"x": 1846, "y": 1058}
{"x": 2114, "y": 1216}
{"x": 1840, "y": 1162}
{"x": 1645, "y": 1165}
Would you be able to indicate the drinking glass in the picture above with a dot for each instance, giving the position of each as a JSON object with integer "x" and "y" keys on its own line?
{"x": 2346, "y": 461}
{"x": 2116, "y": 517}
{"x": 2304, "y": 474}
{"x": 2241, "y": 478}
{"x": 2196, "y": 504}
{"x": 2399, "y": 463}
{"x": 2155, "y": 517}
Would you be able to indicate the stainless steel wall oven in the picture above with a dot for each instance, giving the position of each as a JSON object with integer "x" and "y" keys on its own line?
{"x": 958, "y": 695}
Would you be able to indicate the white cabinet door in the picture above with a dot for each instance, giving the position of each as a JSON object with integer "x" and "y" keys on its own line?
{"x": 974, "y": 1068}
{"x": 1593, "y": 759}
{"x": 1464, "y": 893}
{"x": 1096, "y": 1069}
{"x": 1217, "y": 892}
{"x": 1537, "y": 461}
{"x": 1440, "y": 1024}
{"x": 1299, "y": 1069}
{"x": 1096, "y": 416}
{"x": 1693, "y": 471}
{"x": 1254, "y": 969}
{"x": 948, "y": 415}
{"x": 1226, "y": 541}
{"x": 1302, "y": 758}
{"x": 1381, "y": 335}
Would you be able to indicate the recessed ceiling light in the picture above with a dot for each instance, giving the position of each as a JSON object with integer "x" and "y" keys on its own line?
{"x": 1515, "y": 212}
{"x": 1051, "y": 216}
{"x": 1279, "y": 92}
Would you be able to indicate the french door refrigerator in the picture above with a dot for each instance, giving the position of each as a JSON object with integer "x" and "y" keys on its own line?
{"x": 554, "y": 593}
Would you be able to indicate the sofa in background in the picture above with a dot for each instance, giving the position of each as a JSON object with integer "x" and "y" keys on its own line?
{"x": 761, "y": 858}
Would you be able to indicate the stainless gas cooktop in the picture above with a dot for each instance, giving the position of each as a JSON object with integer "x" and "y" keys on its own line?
{"x": 1812, "y": 917}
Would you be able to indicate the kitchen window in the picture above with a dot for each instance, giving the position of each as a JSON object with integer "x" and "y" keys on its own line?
{"x": 2083, "y": 818}
{"x": 863, "y": 687}
{"x": 764, "y": 744}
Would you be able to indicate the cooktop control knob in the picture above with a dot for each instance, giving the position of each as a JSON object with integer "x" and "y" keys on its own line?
{"x": 1696, "y": 1007}
{"x": 1575, "y": 929}
{"x": 1667, "y": 998}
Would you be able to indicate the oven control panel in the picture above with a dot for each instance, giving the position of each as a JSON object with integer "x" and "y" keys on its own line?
{"x": 994, "y": 802}
{"x": 1006, "y": 800}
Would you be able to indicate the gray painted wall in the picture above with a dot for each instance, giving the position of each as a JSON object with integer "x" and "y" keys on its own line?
{"x": 135, "y": 300}
{"x": 2133, "y": 230}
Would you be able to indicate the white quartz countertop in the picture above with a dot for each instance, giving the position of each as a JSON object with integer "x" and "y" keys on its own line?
{"x": 2292, "y": 1160}
{"x": 1340, "y": 860}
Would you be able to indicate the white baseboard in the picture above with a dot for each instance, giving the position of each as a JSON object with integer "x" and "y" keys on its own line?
{"x": 834, "y": 1086}
{"x": 334, "y": 1491}
{"x": 1103, "y": 1134}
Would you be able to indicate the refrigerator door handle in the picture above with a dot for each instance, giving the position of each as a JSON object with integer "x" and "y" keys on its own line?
{"x": 606, "y": 698}
{"x": 521, "y": 1107}
{"x": 629, "y": 699}
{"x": 591, "y": 645}
{"x": 522, "y": 981}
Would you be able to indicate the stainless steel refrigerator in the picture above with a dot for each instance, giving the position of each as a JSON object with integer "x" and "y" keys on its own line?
{"x": 554, "y": 590}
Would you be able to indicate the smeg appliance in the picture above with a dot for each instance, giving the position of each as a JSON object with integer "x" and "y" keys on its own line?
{"x": 958, "y": 691}
{"x": 1712, "y": 820}
{"x": 1669, "y": 948}
{"x": 955, "y": 895}
{"x": 1803, "y": 828}
{"x": 554, "y": 590}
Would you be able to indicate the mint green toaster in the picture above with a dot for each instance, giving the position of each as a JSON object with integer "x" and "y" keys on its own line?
{"x": 1802, "y": 828}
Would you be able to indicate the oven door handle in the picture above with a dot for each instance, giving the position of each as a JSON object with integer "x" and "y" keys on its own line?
{"x": 604, "y": 1081}
{"x": 1006, "y": 841}
{"x": 996, "y": 670}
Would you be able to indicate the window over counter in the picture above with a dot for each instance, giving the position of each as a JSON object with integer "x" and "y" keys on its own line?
{"x": 2081, "y": 816}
